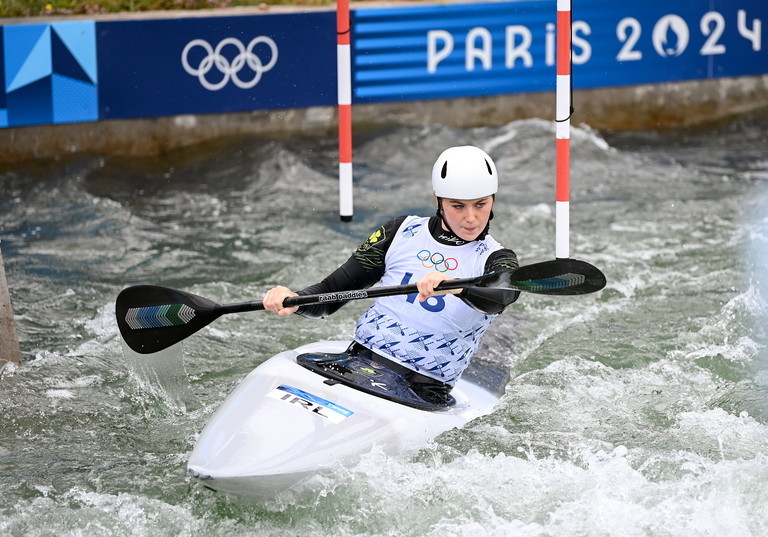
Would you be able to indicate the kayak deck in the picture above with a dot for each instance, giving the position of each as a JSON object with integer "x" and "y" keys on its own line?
{"x": 371, "y": 374}
{"x": 285, "y": 423}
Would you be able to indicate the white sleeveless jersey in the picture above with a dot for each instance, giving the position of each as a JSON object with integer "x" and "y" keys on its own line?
{"x": 436, "y": 337}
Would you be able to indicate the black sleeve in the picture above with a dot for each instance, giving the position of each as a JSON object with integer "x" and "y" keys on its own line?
{"x": 363, "y": 269}
{"x": 494, "y": 298}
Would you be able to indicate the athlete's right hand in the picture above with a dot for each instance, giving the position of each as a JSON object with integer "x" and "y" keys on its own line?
{"x": 427, "y": 283}
{"x": 273, "y": 300}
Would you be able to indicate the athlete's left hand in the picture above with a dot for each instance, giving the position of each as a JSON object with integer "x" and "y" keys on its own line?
{"x": 429, "y": 281}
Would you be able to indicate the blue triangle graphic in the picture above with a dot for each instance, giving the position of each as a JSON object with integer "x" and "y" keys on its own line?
{"x": 63, "y": 63}
{"x": 23, "y": 37}
{"x": 35, "y": 66}
{"x": 80, "y": 39}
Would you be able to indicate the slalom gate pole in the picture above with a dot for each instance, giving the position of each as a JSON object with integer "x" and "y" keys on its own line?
{"x": 344, "y": 78}
{"x": 563, "y": 129}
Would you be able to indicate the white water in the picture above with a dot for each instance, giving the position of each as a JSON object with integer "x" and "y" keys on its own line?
{"x": 641, "y": 410}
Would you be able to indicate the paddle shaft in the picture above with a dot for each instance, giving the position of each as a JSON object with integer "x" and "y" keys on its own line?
{"x": 343, "y": 296}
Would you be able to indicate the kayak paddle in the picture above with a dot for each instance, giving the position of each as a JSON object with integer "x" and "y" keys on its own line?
{"x": 152, "y": 318}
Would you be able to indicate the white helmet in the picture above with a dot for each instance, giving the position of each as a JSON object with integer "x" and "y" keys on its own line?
{"x": 464, "y": 173}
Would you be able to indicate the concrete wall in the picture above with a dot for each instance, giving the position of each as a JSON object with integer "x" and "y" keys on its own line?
{"x": 653, "y": 106}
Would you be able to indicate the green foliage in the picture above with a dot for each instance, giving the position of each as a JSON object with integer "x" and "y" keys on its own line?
{"x": 34, "y": 8}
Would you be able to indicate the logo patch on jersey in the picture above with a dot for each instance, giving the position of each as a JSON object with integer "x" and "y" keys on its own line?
{"x": 437, "y": 261}
{"x": 377, "y": 236}
{"x": 410, "y": 231}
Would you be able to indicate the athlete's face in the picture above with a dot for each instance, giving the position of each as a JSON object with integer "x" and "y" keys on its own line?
{"x": 467, "y": 218}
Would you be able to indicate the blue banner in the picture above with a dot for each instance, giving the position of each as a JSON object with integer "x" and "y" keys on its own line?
{"x": 72, "y": 71}
{"x": 646, "y": 42}
{"x": 85, "y": 70}
{"x": 462, "y": 50}
{"x": 214, "y": 65}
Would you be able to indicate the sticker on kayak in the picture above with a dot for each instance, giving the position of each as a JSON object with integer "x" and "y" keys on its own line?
{"x": 313, "y": 403}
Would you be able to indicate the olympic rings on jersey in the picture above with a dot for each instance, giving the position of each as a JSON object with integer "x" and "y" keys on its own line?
{"x": 437, "y": 261}
{"x": 230, "y": 70}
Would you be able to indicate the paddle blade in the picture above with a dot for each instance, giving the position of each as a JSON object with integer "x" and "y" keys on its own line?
{"x": 559, "y": 277}
{"x": 152, "y": 318}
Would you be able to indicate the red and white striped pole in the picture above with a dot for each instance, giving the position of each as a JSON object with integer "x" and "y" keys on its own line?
{"x": 344, "y": 80}
{"x": 563, "y": 130}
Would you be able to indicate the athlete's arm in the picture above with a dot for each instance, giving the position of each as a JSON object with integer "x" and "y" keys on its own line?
{"x": 493, "y": 300}
{"x": 363, "y": 269}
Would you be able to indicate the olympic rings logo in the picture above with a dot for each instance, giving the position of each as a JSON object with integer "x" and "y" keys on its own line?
{"x": 229, "y": 69}
{"x": 437, "y": 261}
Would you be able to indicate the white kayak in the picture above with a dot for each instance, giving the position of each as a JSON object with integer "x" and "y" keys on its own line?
{"x": 286, "y": 423}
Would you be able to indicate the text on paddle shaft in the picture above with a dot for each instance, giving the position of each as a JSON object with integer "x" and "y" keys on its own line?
{"x": 345, "y": 295}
